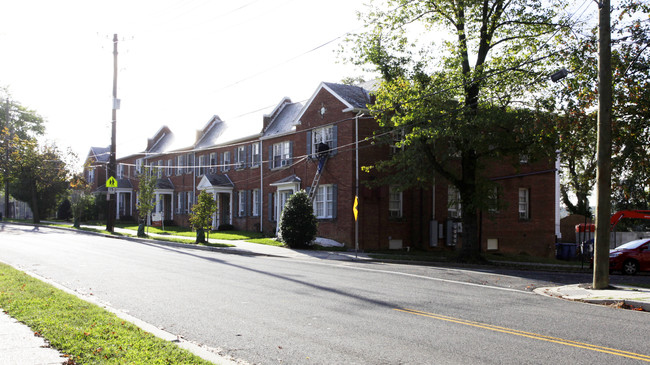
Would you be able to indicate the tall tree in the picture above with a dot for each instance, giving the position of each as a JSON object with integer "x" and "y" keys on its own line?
{"x": 468, "y": 100}
{"x": 17, "y": 124}
{"x": 39, "y": 177}
{"x": 630, "y": 111}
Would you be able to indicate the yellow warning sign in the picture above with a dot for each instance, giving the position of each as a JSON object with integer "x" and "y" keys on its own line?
{"x": 111, "y": 182}
{"x": 354, "y": 207}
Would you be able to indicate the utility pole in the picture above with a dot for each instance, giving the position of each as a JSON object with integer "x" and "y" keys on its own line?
{"x": 112, "y": 164}
{"x": 6, "y": 167}
{"x": 604, "y": 150}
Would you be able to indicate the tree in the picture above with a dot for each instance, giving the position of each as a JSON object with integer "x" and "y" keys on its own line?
{"x": 65, "y": 210}
{"x": 39, "y": 177}
{"x": 146, "y": 198}
{"x": 83, "y": 202}
{"x": 471, "y": 101}
{"x": 298, "y": 225}
{"x": 17, "y": 124}
{"x": 201, "y": 217}
{"x": 630, "y": 111}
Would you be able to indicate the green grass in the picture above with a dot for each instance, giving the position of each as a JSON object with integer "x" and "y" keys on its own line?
{"x": 85, "y": 332}
{"x": 266, "y": 241}
{"x": 187, "y": 232}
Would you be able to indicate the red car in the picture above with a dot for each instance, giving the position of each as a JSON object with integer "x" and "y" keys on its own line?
{"x": 631, "y": 257}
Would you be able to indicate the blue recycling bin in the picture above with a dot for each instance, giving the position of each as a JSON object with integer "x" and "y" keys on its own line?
{"x": 565, "y": 251}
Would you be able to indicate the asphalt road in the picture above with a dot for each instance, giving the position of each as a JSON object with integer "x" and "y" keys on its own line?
{"x": 274, "y": 310}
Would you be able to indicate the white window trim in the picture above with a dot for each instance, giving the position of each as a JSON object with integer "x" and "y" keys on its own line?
{"x": 395, "y": 212}
{"x": 281, "y": 154}
{"x": 318, "y": 135}
{"x": 324, "y": 202}
{"x": 255, "y": 155}
{"x": 524, "y": 203}
{"x": 454, "y": 206}
{"x": 256, "y": 202}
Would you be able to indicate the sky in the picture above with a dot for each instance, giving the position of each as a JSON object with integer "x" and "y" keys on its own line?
{"x": 179, "y": 63}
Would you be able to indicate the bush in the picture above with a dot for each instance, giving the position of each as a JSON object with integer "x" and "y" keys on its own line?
{"x": 226, "y": 227}
{"x": 298, "y": 225}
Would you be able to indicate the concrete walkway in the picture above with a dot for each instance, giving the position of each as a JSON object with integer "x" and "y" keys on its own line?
{"x": 20, "y": 346}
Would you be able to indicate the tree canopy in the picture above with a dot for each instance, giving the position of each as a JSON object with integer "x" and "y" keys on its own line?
{"x": 464, "y": 95}
{"x": 578, "y": 99}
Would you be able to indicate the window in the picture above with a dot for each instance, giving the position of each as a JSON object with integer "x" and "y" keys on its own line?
{"x": 120, "y": 171}
{"x": 284, "y": 196}
{"x": 281, "y": 154}
{"x": 255, "y": 155}
{"x": 324, "y": 135}
{"x": 180, "y": 199}
{"x": 201, "y": 169}
{"x": 189, "y": 201}
{"x": 493, "y": 200}
{"x": 454, "y": 208}
{"x": 179, "y": 165}
{"x": 169, "y": 167}
{"x": 256, "y": 203}
{"x": 524, "y": 204}
{"x": 242, "y": 204}
{"x": 240, "y": 157}
{"x": 91, "y": 175}
{"x": 189, "y": 160}
{"x": 138, "y": 166}
{"x": 160, "y": 169}
{"x": 225, "y": 161}
{"x": 394, "y": 202}
{"x": 397, "y": 143}
{"x": 213, "y": 162}
{"x": 523, "y": 159}
{"x": 324, "y": 202}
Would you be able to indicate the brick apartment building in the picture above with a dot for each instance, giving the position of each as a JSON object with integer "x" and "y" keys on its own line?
{"x": 251, "y": 172}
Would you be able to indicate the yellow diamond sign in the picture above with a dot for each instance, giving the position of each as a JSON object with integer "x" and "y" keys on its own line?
{"x": 354, "y": 207}
{"x": 111, "y": 182}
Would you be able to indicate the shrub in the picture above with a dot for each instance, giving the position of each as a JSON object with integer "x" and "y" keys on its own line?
{"x": 226, "y": 227}
{"x": 298, "y": 225}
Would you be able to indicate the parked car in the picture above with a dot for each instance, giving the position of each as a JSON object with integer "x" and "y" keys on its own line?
{"x": 631, "y": 257}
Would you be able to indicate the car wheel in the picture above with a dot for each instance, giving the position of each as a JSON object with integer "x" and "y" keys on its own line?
{"x": 630, "y": 267}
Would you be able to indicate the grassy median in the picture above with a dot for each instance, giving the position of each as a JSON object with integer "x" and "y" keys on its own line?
{"x": 85, "y": 332}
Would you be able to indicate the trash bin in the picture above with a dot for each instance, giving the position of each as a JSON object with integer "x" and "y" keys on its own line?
{"x": 565, "y": 251}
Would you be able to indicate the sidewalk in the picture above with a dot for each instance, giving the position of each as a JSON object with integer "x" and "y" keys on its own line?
{"x": 619, "y": 296}
{"x": 19, "y": 345}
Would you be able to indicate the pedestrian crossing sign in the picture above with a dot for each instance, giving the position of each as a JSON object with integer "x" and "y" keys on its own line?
{"x": 111, "y": 182}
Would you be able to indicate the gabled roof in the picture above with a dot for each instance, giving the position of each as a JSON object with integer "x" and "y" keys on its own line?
{"x": 164, "y": 184}
{"x": 210, "y": 133}
{"x": 99, "y": 154}
{"x": 214, "y": 181}
{"x": 352, "y": 97}
{"x": 282, "y": 119}
{"x": 289, "y": 179}
{"x": 161, "y": 141}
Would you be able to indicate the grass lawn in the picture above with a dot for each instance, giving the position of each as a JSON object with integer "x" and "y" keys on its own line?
{"x": 266, "y": 241}
{"x": 187, "y": 232}
{"x": 84, "y": 331}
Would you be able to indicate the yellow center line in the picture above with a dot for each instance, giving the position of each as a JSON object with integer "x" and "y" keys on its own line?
{"x": 535, "y": 336}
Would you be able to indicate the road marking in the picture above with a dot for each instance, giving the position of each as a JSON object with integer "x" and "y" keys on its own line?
{"x": 534, "y": 336}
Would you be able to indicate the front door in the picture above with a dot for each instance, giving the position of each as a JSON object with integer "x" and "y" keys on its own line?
{"x": 224, "y": 209}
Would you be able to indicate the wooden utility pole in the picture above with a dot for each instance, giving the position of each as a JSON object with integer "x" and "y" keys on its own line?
{"x": 112, "y": 164}
{"x": 6, "y": 166}
{"x": 604, "y": 150}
